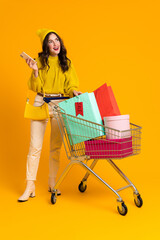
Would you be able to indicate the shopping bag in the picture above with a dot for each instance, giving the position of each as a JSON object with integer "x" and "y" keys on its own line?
{"x": 84, "y": 107}
{"x": 106, "y": 101}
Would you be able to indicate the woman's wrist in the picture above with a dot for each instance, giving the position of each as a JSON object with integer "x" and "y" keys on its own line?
{"x": 36, "y": 73}
{"x": 76, "y": 93}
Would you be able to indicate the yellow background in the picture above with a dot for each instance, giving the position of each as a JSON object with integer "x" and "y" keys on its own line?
{"x": 117, "y": 42}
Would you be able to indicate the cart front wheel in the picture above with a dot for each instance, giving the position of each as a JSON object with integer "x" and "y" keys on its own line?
{"x": 138, "y": 201}
{"x": 82, "y": 187}
{"x": 53, "y": 198}
{"x": 122, "y": 209}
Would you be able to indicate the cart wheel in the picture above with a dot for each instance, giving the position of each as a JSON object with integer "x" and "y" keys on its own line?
{"x": 138, "y": 201}
{"x": 82, "y": 187}
{"x": 53, "y": 198}
{"x": 123, "y": 210}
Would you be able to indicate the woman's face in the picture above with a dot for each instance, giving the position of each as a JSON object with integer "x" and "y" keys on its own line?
{"x": 54, "y": 45}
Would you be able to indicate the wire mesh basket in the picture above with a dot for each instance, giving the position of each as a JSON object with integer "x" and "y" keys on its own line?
{"x": 87, "y": 139}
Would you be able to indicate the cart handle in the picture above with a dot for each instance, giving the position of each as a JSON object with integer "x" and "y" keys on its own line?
{"x": 48, "y": 99}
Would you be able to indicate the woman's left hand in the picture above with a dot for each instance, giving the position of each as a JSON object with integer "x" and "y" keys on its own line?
{"x": 76, "y": 93}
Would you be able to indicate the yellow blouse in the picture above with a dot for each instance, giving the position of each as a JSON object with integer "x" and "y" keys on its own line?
{"x": 54, "y": 81}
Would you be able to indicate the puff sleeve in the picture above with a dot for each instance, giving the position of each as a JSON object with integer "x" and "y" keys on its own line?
{"x": 35, "y": 83}
{"x": 71, "y": 81}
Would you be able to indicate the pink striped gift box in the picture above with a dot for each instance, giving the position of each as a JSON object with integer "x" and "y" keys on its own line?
{"x": 109, "y": 148}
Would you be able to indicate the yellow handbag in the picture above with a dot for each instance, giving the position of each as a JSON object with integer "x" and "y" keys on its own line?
{"x": 36, "y": 113}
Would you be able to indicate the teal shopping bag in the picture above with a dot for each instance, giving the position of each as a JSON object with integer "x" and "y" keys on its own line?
{"x": 84, "y": 107}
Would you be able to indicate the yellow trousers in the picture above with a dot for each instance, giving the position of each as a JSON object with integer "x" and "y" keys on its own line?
{"x": 37, "y": 134}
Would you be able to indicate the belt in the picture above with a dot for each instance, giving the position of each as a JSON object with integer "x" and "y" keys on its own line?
{"x": 50, "y": 95}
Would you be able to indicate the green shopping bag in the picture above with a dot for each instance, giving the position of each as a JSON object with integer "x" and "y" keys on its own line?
{"x": 84, "y": 107}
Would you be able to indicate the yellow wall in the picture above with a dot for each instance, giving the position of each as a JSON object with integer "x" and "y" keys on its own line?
{"x": 117, "y": 42}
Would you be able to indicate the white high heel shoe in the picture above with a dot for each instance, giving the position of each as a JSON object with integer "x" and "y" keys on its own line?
{"x": 29, "y": 192}
{"x": 51, "y": 184}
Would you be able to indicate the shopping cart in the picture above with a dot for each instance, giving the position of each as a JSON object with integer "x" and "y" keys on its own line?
{"x": 81, "y": 146}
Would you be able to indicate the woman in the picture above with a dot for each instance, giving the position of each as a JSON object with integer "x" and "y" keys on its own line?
{"x": 54, "y": 74}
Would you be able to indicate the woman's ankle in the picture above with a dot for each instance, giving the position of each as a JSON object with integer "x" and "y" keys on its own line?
{"x": 30, "y": 183}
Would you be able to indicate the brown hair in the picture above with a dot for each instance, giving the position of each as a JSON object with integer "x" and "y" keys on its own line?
{"x": 64, "y": 61}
